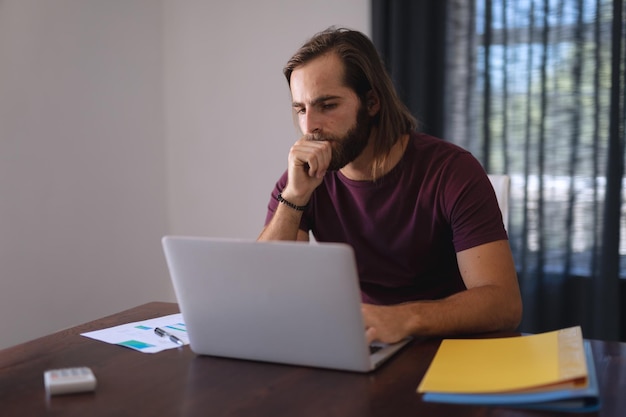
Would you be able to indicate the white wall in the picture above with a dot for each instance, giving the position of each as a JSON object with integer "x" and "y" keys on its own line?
{"x": 124, "y": 120}
{"x": 83, "y": 199}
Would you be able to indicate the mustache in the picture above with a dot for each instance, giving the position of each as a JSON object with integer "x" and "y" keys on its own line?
{"x": 320, "y": 137}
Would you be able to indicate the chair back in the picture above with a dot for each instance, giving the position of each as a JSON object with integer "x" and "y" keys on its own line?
{"x": 502, "y": 186}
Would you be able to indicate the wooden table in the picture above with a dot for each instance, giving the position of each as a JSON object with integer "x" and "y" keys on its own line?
{"x": 176, "y": 382}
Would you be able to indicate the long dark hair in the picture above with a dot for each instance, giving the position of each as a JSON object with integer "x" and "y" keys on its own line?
{"x": 364, "y": 71}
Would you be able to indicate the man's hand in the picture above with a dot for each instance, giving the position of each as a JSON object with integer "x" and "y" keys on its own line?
{"x": 308, "y": 161}
{"x": 307, "y": 164}
{"x": 387, "y": 324}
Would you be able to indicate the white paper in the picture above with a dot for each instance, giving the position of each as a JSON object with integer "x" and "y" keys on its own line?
{"x": 140, "y": 335}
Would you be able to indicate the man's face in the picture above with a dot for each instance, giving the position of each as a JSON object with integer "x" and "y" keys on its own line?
{"x": 349, "y": 146}
{"x": 327, "y": 110}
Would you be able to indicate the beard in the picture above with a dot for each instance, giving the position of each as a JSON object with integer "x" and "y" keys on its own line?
{"x": 348, "y": 147}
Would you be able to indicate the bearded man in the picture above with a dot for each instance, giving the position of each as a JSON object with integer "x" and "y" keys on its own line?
{"x": 432, "y": 251}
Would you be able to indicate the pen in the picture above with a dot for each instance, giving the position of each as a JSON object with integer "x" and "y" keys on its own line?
{"x": 163, "y": 333}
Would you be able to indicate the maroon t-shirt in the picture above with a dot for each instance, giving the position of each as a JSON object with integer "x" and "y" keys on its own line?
{"x": 407, "y": 226}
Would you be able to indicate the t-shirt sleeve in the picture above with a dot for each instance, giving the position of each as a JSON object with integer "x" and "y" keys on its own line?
{"x": 471, "y": 204}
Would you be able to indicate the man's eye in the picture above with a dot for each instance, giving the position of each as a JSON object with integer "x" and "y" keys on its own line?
{"x": 299, "y": 110}
{"x": 329, "y": 106}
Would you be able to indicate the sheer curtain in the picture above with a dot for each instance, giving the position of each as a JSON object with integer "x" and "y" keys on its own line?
{"x": 535, "y": 89}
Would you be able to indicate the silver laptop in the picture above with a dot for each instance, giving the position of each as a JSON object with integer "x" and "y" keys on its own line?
{"x": 285, "y": 302}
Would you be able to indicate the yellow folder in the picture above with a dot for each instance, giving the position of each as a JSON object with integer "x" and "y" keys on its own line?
{"x": 539, "y": 362}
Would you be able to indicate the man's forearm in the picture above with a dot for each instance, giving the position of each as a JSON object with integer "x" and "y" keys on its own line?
{"x": 478, "y": 310}
{"x": 283, "y": 226}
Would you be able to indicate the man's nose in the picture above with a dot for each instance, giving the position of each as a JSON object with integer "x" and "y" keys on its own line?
{"x": 312, "y": 123}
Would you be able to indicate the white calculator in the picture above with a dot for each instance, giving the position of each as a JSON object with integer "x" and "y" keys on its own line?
{"x": 69, "y": 380}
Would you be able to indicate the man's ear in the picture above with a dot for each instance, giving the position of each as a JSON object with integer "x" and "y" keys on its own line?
{"x": 372, "y": 103}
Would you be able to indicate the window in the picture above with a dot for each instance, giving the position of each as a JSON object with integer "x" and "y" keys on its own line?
{"x": 530, "y": 87}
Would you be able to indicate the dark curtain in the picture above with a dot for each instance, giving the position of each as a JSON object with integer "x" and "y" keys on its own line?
{"x": 413, "y": 25}
{"x": 535, "y": 89}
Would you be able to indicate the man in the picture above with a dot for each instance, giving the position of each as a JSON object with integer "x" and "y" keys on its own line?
{"x": 432, "y": 252}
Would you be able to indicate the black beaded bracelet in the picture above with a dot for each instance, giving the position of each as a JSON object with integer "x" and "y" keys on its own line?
{"x": 289, "y": 203}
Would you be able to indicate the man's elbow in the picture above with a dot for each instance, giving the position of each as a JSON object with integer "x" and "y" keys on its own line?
{"x": 513, "y": 316}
